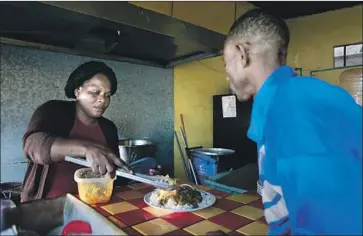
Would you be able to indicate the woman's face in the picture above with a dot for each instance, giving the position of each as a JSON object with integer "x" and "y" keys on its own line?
{"x": 94, "y": 96}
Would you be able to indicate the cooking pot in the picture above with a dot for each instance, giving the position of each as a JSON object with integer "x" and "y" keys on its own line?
{"x": 134, "y": 149}
{"x": 214, "y": 151}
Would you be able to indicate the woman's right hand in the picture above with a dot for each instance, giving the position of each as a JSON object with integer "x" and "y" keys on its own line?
{"x": 103, "y": 160}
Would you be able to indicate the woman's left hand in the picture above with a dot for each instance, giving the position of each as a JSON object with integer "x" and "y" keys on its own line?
{"x": 156, "y": 171}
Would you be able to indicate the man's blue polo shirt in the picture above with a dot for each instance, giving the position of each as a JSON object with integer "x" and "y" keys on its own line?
{"x": 309, "y": 139}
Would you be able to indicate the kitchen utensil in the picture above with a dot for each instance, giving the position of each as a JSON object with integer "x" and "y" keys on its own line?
{"x": 189, "y": 160}
{"x": 193, "y": 171}
{"x": 185, "y": 166}
{"x": 133, "y": 149}
{"x": 184, "y": 130}
{"x": 143, "y": 165}
{"x": 155, "y": 181}
{"x": 183, "y": 137}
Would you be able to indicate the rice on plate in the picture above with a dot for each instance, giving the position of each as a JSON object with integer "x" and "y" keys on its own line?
{"x": 183, "y": 198}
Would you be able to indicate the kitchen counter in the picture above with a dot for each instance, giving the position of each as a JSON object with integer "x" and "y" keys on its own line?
{"x": 234, "y": 214}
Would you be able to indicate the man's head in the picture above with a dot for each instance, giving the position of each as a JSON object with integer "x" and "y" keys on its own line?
{"x": 256, "y": 45}
{"x": 92, "y": 84}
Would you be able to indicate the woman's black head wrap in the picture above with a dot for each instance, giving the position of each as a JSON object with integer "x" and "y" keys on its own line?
{"x": 85, "y": 72}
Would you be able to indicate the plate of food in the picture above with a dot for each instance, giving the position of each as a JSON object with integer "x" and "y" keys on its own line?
{"x": 185, "y": 198}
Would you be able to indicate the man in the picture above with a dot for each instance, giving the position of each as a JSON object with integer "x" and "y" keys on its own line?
{"x": 308, "y": 133}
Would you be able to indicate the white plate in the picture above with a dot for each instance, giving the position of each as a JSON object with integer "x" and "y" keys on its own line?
{"x": 204, "y": 194}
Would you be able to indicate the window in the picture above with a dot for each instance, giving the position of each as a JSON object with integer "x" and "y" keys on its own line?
{"x": 348, "y": 55}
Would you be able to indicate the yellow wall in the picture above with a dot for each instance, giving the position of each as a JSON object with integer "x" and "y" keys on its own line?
{"x": 195, "y": 83}
{"x": 313, "y": 38}
{"x": 217, "y": 16}
{"x": 312, "y": 41}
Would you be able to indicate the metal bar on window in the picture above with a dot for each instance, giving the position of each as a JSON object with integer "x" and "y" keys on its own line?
{"x": 335, "y": 68}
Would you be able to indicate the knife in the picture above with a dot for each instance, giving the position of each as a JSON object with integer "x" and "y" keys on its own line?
{"x": 156, "y": 181}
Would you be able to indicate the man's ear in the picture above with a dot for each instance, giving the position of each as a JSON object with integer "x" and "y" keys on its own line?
{"x": 243, "y": 54}
{"x": 283, "y": 56}
{"x": 76, "y": 92}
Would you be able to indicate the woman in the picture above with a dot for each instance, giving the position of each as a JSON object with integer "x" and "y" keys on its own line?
{"x": 72, "y": 128}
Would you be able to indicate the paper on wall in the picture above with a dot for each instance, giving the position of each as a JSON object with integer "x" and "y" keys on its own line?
{"x": 229, "y": 106}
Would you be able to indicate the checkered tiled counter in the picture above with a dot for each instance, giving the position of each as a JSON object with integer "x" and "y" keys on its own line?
{"x": 234, "y": 214}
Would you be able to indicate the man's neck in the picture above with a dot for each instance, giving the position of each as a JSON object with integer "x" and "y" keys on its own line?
{"x": 262, "y": 72}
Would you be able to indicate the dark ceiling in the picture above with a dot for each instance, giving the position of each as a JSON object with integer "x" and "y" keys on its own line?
{"x": 293, "y": 9}
{"x": 112, "y": 30}
{"x": 121, "y": 31}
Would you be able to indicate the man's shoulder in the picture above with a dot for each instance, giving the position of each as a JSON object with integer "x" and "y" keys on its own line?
{"x": 305, "y": 85}
{"x": 306, "y": 90}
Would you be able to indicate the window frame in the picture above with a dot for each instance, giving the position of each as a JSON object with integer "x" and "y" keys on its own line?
{"x": 344, "y": 54}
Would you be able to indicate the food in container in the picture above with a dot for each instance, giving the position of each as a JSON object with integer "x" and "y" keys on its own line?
{"x": 93, "y": 188}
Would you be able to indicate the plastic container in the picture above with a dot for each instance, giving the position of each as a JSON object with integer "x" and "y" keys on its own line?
{"x": 206, "y": 165}
{"x": 211, "y": 165}
{"x": 92, "y": 188}
{"x": 352, "y": 80}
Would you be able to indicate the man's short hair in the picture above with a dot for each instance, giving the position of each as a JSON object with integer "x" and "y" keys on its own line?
{"x": 85, "y": 72}
{"x": 262, "y": 30}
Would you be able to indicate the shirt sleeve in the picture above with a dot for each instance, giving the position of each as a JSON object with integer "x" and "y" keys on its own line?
{"x": 38, "y": 139}
{"x": 319, "y": 160}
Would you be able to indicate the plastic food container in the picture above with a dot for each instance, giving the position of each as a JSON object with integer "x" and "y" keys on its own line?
{"x": 92, "y": 188}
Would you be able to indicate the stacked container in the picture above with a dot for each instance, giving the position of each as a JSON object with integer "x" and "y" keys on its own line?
{"x": 351, "y": 80}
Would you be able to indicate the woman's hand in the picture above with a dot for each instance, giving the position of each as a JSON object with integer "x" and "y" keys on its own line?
{"x": 103, "y": 160}
{"x": 157, "y": 171}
